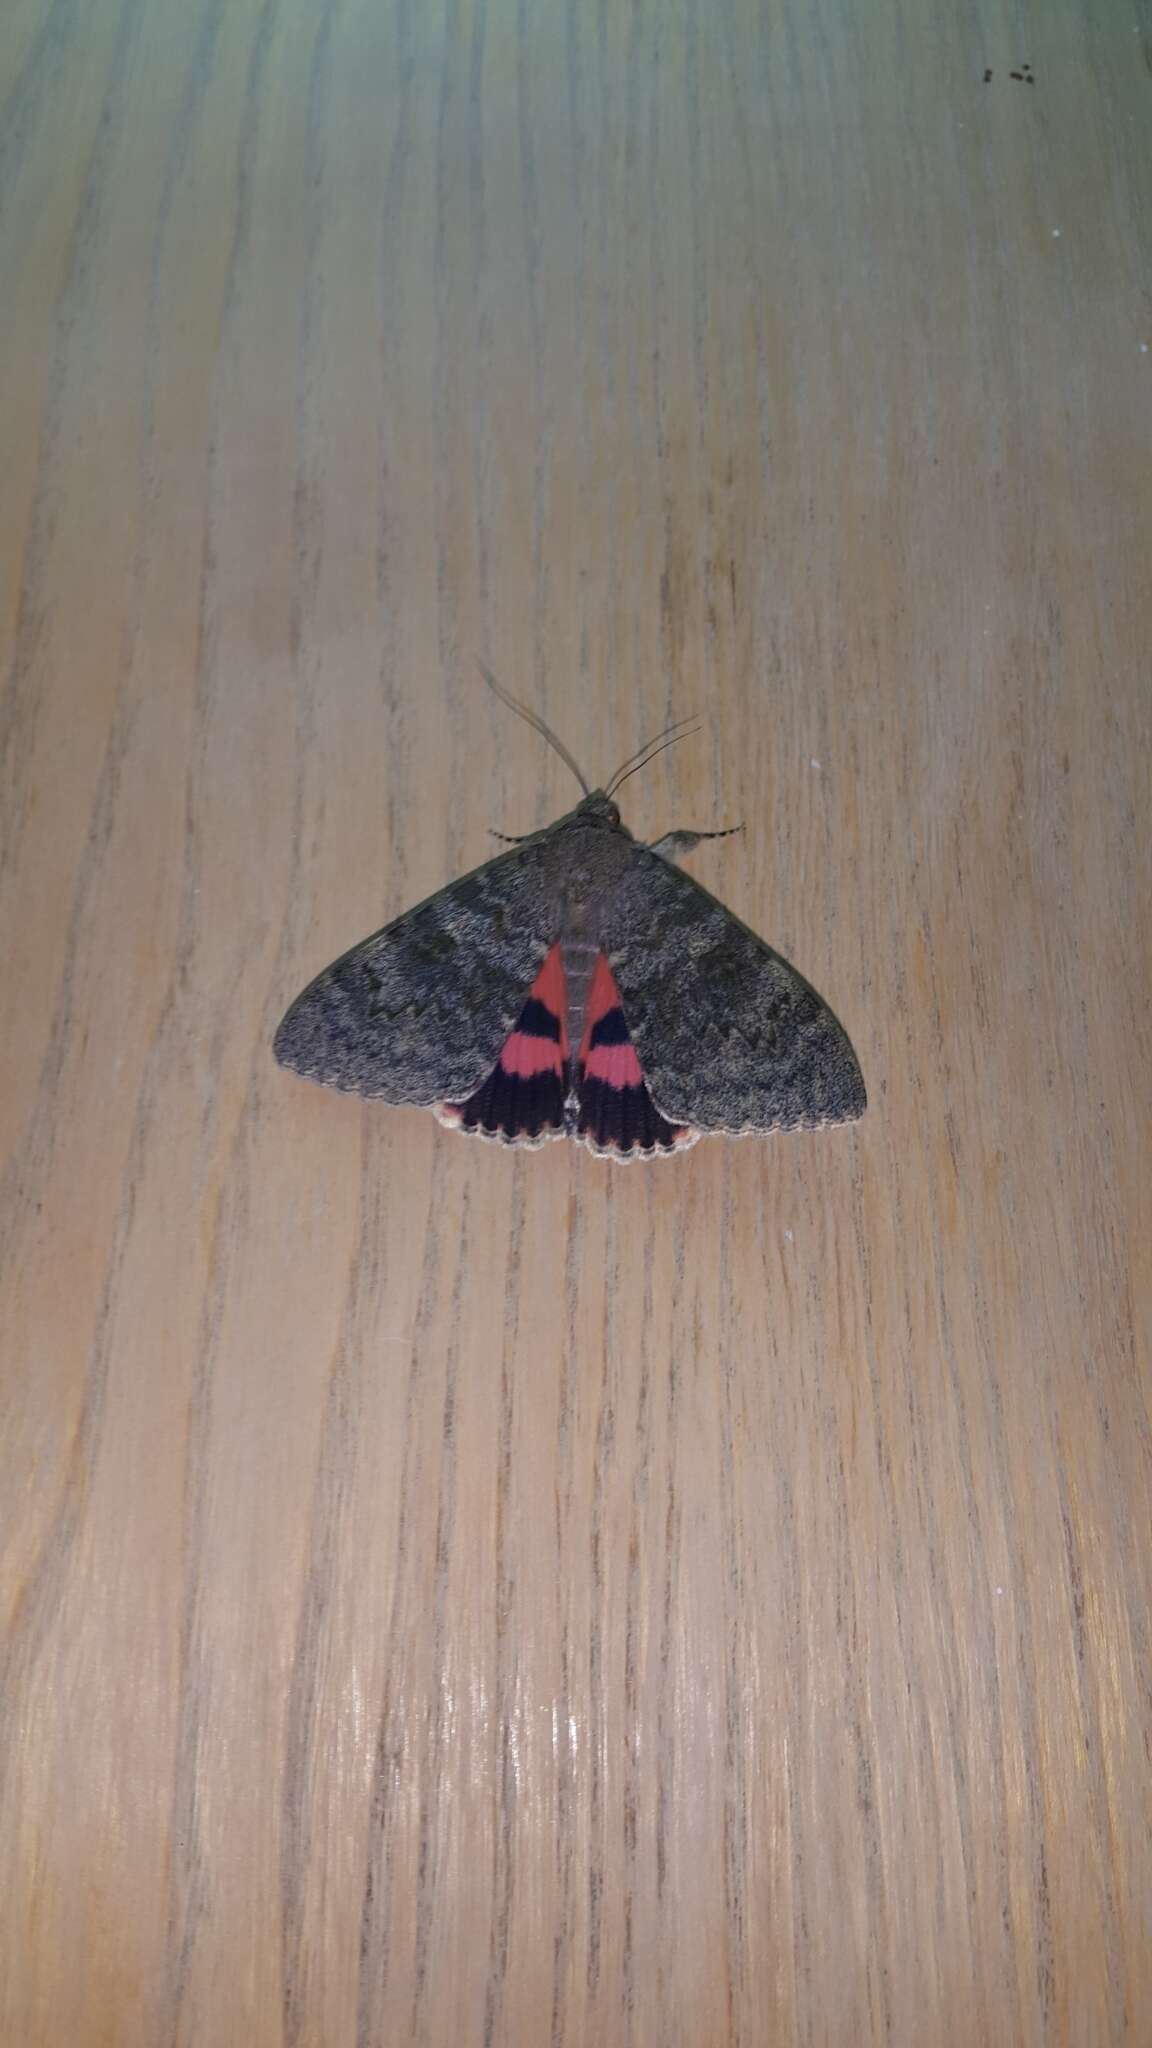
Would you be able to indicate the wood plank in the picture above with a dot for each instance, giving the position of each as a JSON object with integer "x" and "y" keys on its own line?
{"x": 450, "y": 1596}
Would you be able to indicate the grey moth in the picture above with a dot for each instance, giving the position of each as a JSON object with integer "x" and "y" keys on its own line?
{"x": 579, "y": 986}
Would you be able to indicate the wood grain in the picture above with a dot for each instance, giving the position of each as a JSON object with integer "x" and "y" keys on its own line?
{"x": 458, "y": 1598}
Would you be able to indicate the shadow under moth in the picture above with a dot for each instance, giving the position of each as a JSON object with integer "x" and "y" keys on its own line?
{"x": 579, "y": 986}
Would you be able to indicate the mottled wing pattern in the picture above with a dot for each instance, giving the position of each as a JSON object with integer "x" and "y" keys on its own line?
{"x": 418, "y": 1013}
{"x": 729, "y": 1036}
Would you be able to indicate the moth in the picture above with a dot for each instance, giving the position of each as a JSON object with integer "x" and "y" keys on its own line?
{"x": 579, "y": 986}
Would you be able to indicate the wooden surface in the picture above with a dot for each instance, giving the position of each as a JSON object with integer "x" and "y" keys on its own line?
{"x": 459, "y": 1598}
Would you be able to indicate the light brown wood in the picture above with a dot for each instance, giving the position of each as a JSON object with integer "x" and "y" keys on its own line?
{"x": 452, "y": 1597}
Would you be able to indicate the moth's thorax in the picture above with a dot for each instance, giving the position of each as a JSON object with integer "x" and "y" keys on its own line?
{"x": 589, "y": 855}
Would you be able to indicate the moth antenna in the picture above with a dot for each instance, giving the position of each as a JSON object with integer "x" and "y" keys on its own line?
{"x": 636, "y": 760}
{"x": 656, "y": 746}
{"x": 535, "y": 721}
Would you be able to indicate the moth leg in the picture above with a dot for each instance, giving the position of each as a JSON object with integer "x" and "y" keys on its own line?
{"x": 511, "y": 838}
{"x": 675, "y": 843}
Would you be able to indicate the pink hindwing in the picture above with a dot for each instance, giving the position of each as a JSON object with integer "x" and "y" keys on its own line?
{"x": 528, "y": 1097}
{"x": 522, "y": 1101}
{"x": 617, "y": 1116}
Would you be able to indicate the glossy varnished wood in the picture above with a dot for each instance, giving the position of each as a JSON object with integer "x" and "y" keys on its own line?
{"x": 451, "y": 1597}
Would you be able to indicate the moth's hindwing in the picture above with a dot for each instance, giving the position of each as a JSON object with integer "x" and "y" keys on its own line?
{"x": 521, "y": 1101}
{"x": 617, "y": 1118}
{"x": 418, "y": 1013}
{"x": 729, "y": 1036}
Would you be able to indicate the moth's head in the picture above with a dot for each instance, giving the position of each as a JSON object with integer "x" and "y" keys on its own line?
{"x": 599, "y": 809}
